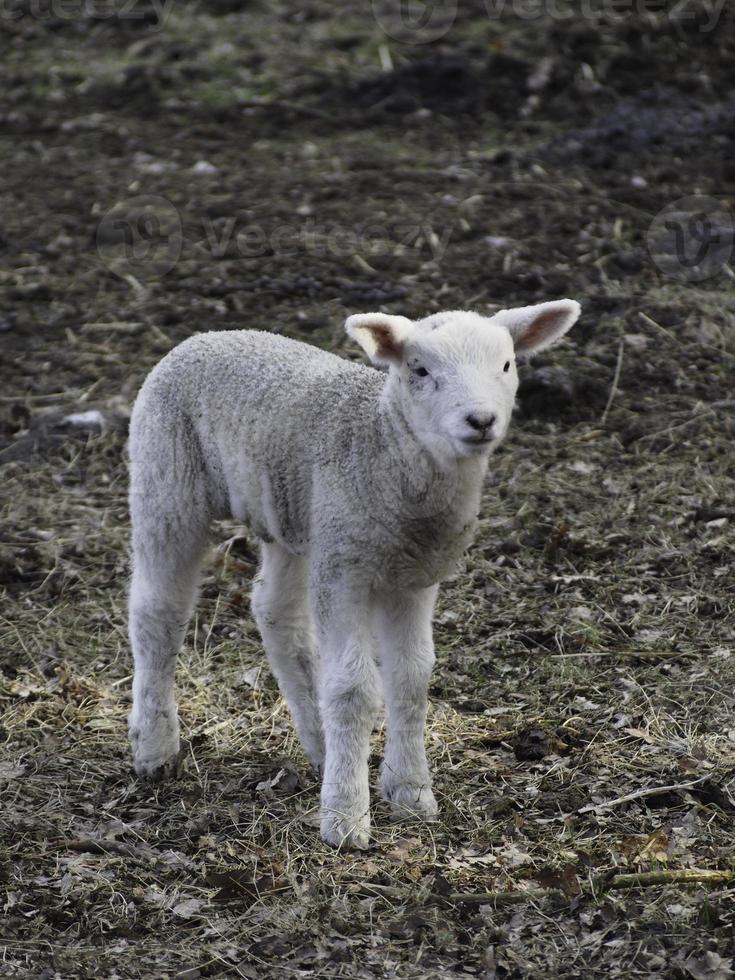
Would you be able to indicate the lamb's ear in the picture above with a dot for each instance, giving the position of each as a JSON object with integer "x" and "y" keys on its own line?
{"x": 535, "y": 327}
{"x": 381, "y": 335}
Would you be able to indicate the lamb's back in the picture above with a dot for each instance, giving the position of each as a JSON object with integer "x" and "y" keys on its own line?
{"x": 268, "y": 412}
{"x": 253, "y": 366}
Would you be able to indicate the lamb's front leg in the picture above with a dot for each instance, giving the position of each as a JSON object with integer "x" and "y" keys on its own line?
{"x": 403, "y": 625}
{"x": 349, "y": 698}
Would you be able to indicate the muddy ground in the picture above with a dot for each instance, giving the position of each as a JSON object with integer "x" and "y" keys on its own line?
{"x": 296, "y": 163}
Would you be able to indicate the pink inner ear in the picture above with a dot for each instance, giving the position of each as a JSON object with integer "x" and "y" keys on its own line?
{"x": 387, "y": 343}
{"x": 538, "y": 330}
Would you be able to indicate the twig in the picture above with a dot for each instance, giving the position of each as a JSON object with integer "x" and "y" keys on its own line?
{"x": 499, "y": 898}
{"x": 584, "y": 437}
{"x": 644, "y": 879}
{"x": 370, "y": 890}
{"x": 601, "y": 883}
{"x": 672, "y": 336}
{"x": 386, "y": 62}
{"x": 638, "y": 654}
{"x": 698, "y": 416}
{"x": 140, "y": 855}
{"x": 693, "y": 876}
{"x": 113, "y": 326}
{"x": 615, "y": 381}
{"x": 641, "y": 793}
{"x": 137, "y": 286}
{"x": 28, "y": 397}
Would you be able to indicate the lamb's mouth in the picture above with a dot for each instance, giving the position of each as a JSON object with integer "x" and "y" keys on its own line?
{"x": 477, "y": 444}
{"x": 478, "y": 440}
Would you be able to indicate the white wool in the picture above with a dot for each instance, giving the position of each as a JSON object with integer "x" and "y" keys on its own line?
{"x": 364, "y": 488}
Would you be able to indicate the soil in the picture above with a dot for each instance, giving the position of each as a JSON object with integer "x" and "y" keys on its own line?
{"x": 226, "y": 165}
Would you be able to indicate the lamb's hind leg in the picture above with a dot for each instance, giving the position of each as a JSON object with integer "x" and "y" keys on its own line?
{"x": 167, "y": 552}
{"x": 281, "y": 609}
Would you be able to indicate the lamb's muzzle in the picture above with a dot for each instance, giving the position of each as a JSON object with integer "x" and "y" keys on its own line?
{"x": 363, "y": 487}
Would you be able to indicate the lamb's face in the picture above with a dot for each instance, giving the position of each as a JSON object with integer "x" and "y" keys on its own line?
{"x": 455, "y": 372}
{"x": 458, "y": 382}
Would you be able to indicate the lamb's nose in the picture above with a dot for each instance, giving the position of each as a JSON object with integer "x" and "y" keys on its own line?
{"x": 480, "y": 422}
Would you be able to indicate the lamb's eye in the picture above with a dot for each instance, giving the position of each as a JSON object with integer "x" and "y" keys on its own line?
{"x": 506, "y": 366}
{"x": 421, "y": 372}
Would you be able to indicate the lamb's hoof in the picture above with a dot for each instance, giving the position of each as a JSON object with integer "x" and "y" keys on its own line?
{"x": 316, "y": 761}
{"x": 344, "y": 833}
{"x": 157, "y": 770}
{"x": 156, "y": 753}
{"x": 410, "y": 802}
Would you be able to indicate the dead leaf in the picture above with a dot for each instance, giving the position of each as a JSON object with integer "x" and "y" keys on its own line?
{"x": 66, "y": 884}
{"x": 188, "y": 908}
{"x": 467, "y": 857}
{"x": 562, "y": 879}
{"x": 711, "y": 966}
{"x": 405, "y": 850}
{"x": 513, "y": 856}
{"x": 639, "y": 733}
{"x": 440, "y": 885}
{"x": 311, "y": 818}
{"x": 285, "y": 780}
{"x": 584, "y": 704}
{"x": 531, "y": 745}
{"x": 239, "y": 884}
{"x": 8, "y": 770}
{"x": 655, "y": 848}
{"x": 24, "y": 687}
{"x": 250, "y": 678}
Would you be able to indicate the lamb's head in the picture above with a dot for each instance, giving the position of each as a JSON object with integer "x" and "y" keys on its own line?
{"x": 455, "y": 372}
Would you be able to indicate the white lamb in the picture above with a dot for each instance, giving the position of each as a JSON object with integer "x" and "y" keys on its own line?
{"x": 363, "y": 486}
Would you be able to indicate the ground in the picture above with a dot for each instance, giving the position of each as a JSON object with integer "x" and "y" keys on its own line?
{"x": 228, "y": 164}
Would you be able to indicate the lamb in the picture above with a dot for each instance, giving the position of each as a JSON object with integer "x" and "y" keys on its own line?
{"x": 363, "y": 487}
